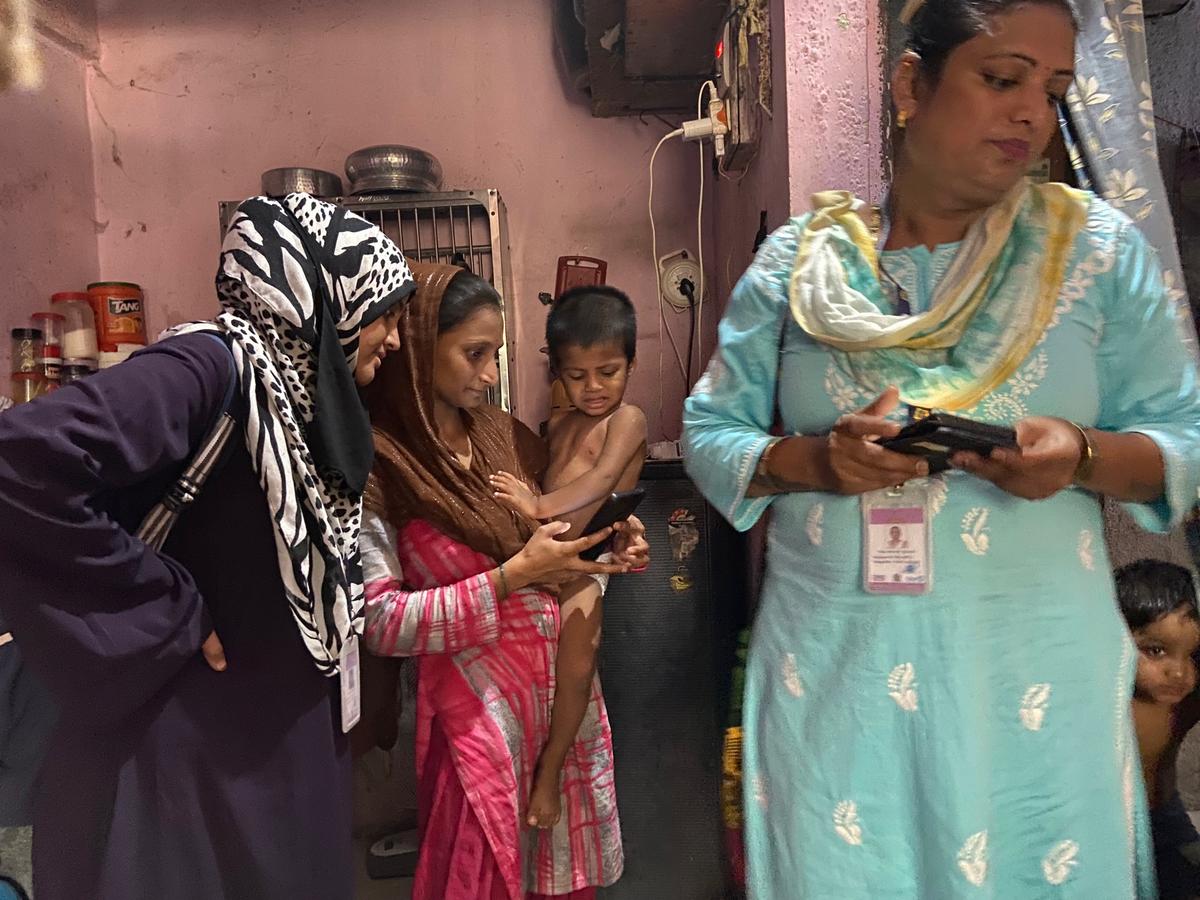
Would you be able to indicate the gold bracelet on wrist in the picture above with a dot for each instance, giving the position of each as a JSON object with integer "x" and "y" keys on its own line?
{"x": 504, "y": 591}
{"x": 1087, "y": 456}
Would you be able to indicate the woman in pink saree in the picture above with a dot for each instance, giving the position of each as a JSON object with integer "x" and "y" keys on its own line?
{"x": 460, "y": 582}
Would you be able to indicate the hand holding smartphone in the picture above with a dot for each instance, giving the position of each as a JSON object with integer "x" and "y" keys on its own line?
{"x": 617, "y": 508}
{"x": 937, "y": 437}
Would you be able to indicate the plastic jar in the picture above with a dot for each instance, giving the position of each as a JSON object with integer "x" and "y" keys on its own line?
{"x": 67, "y": 374}
{"x": 115, "y": 358}
{"x": 79, "y": 325}
{"x": 28, "y": 386}
{"x": 120, "y": 314}
{"x": 90, "y": 365}
{"x": 51, "y": 326}
{"x": 26, "y": 350}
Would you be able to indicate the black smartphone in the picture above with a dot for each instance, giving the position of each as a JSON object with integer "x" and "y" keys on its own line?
{"x": 617, "y": 508}
{"x": 938, "y": 437}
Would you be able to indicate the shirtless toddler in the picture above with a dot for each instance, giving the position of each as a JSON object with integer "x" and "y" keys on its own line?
{"x": 597, "y": 447}
{"x": 1158, "y": 600}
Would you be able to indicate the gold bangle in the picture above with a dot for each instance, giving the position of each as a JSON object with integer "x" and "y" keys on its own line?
{"x": 1087, "y": 456}
{"x": 504, "y": 591}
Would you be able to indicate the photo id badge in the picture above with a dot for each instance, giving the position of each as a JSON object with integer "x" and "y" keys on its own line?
{"x": 348, "y": 675}
{"x": 897, "y": 544}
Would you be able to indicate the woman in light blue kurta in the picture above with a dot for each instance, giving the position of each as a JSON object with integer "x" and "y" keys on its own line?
{"x": 974, "y": 741}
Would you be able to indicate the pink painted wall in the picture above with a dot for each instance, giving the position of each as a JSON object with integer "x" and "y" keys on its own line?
{"x": 193, "y": 100}
{"x": 47, "y": 194}
{"x": 825, "y": 129}
{"x": 835, "y": 91}
{"x": 188, "y": 103}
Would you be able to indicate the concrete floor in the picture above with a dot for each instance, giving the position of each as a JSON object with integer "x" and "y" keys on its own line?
{"x": 14, "y": 861}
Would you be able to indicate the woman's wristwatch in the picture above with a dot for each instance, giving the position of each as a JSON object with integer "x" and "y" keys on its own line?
{"x": 1087, "y": 455}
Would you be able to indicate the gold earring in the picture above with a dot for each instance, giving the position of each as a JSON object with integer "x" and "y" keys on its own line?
{"x": 902, "y": 119}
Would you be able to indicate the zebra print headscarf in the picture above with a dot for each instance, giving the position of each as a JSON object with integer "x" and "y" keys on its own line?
{"x": 298, "y": 280}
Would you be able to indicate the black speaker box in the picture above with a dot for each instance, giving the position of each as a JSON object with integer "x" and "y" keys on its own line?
{"x": 665, "y": 656}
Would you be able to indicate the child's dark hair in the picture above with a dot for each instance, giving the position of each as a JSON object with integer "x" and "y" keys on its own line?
{"x": 1149, "y": 589}
{"x": 590, "y": 315}
{"x": 464, "y": 296}
{"x": 941, "y": 25}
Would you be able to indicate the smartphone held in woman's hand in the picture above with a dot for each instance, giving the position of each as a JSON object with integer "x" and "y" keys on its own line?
{"x": 617, "y": 508}
{"x": 937, "y": 437}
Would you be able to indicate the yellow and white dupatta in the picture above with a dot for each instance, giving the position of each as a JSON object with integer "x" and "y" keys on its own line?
{"x": 987, "y": 313}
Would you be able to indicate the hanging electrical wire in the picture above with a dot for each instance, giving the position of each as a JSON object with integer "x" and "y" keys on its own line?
{"x": 664, "y": 328}
{"x": 697, "y": 299}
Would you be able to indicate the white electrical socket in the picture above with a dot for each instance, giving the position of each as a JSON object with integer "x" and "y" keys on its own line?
{"x": 673, "y": 269}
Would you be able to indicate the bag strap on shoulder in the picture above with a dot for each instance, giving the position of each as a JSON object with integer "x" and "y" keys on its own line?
{"x": 157, "y": 524}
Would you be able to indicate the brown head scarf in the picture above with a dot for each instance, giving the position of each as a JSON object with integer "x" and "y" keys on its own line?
{"x": 416, "y": 475}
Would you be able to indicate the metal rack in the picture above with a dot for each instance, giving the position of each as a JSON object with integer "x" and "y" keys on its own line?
{"x": 456, "y": 227}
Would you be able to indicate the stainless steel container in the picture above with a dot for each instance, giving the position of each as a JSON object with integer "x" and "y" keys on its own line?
{"x": 294, "y": 179}
{"x": 388, "y": 168}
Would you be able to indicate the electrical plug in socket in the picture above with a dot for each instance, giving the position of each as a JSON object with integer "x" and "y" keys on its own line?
{"x": 674, "y": 269}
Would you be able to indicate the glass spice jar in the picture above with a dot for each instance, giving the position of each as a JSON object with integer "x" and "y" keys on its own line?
{"x": 28, "y": 386}
{"x": 26, "y": 350}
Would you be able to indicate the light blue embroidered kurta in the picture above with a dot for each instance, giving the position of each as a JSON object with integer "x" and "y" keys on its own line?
{"x": 975, "y": 741}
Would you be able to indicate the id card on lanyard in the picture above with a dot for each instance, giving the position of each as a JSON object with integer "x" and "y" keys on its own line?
{"x": 897, "y": 539}
{"x": 348, "y": 679}
{"x": 881, "y": 228}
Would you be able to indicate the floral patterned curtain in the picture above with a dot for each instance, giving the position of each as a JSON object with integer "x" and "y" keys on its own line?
{"x": 1114, "y": 150}
{"x": 1111, "y": 118}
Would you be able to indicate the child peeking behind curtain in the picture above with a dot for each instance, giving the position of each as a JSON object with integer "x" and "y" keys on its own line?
{"x": 1158, "y": 600}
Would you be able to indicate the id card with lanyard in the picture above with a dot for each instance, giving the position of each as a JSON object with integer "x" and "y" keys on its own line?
{"x": 897, "y": 539}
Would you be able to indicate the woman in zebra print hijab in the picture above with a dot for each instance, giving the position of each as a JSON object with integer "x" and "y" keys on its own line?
{"x": 300, "y": 282}
{"x": 165, "y": 779}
